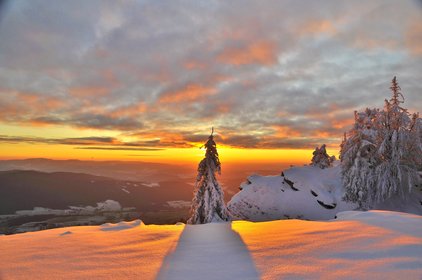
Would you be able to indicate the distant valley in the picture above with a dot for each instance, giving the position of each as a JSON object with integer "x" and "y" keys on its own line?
{"x": 157, "y": 193}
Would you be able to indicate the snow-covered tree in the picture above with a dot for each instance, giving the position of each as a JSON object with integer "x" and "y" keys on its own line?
{"x": 208, "y": 202}
{"x": 358, "y": 158}
{"x": 416, "y": 144}
{"x": 397, "y": 171}
{"x": 321, "y": 159}
{"x": 381, "y": 153}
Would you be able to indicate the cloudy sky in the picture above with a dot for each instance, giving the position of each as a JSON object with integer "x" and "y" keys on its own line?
{"x": 148, "y": 78}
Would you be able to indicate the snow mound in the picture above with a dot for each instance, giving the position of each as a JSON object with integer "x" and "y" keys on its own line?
{"x": 121, "y": 225}
{"x": 398, "y": 222}
{"x": 299, "y": 193}
{"x": 308, "y": 192}
{"x": 109, "y": 205}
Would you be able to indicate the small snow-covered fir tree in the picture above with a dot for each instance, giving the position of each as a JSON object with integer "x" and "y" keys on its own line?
{"x": 208, "y": 202}
{"x": 321, "y": 159}
{"x": 381, "y": 153}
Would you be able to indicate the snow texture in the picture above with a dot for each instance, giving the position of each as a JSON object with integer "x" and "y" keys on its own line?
{"x": 121, "y": 225}
{"x": 213, "y": 249}
{"x": 308, "y": 192}
{"x": 118, "y": 251}
{"x": 105, "y": 206}
{"x": 357, "y": 245}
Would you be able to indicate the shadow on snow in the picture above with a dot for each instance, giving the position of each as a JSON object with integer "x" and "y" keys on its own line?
{"x": 209, "y": 251}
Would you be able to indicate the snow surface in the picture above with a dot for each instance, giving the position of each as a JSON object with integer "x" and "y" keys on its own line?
{"x": 104, "y": 206}
{"x": 307, "y": 192}
{"x": 133, "y": 251}
{"x": 151, "y": 185}
{"x": 120, "y": 225}
{"x": 358, "y": 245}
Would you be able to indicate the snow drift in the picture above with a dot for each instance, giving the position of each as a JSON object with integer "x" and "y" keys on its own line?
{"x": 358, "y": 245}
{"x": 306, "y": 192}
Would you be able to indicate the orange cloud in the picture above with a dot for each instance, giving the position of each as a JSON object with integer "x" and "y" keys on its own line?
{"x": 34, "y": 101}
{"x": 191, "y": 65}
{"x": 285, "y": 131}
{"x": 263, "y": 52}
{"x": 109, "y": 76}
{"x": 127, "y": 111}
{"x": 342, "y": 124}
{"x": 318, "y": 26}
{"x": 88, "y": 91}
{"x": 189, "y": 93}
{"x": 414, "y": 38}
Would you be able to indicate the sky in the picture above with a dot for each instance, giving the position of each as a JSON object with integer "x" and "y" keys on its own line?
{"x": 146, "y": 80}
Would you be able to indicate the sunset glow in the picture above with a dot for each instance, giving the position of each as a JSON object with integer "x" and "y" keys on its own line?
{"x": 146, "y": 81}
{"x": 210, "y": 139}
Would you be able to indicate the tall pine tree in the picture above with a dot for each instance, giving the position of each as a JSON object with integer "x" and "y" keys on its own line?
{"x": 208, "y": 202}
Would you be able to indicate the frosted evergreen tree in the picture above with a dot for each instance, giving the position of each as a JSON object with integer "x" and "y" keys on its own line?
{"x": 358, "y": 158}
{"x": 397, "y": 171}
{"x": 416, "y": 136}
{"x": 381, "y": 153}
{"x": 208, "y": 202}
{"x": 321, "y": 159}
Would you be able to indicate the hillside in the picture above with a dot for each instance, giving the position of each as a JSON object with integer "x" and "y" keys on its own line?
{"x": 358, "y": 245}
{"x": 24, "y": 190}
{"x": 306, "y": 192}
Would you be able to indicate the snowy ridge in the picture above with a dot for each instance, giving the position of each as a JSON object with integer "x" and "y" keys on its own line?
{"x": 307, "y": 192}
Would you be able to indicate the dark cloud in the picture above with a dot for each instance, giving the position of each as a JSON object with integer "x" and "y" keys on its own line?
{"x": 118, "y": 149}
{"x": 99, "y": 121}
{"x": 64, "y": 141}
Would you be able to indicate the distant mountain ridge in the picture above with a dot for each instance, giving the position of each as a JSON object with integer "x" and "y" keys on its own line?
{"x": 26, "y": 189}
{"x": 122, "y": 170}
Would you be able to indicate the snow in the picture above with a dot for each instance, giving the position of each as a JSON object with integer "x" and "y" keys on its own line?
{"x": 307, "y": 192}
{"x": 357, "y": 245}
{"x": 209, "y": 251}
{"x": 132, "y": 252}
{"x": 41, "y": 211}
{"x": 360, "y": 246}
{"x": 121, "y": 225}
{"x": 105, "y": 206}
{"x": 151, "y": 185}
{"x": 300, "y": 193}
{"x": 109, "y": 206}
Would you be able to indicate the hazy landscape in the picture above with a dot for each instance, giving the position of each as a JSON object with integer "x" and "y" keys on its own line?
{"x": 159, "y": 193}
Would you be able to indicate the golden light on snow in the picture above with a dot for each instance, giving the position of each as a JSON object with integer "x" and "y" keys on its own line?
{"x": 362, "y": 245}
